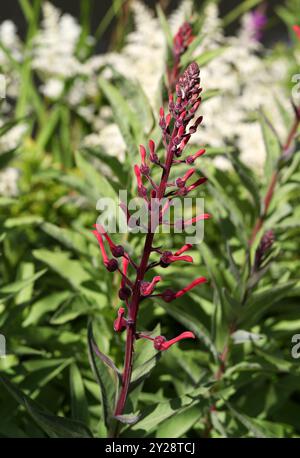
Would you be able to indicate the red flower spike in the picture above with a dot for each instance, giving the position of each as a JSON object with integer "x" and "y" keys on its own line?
{"x": 147, "y": 288}
{"x": 120, "y": 322}
{"x": 296, "y": 29}
{"x": 162, "y": 344}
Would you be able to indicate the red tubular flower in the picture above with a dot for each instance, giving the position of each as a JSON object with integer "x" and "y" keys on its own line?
{"x": 110, "y": 264}
{"x": 147, "y": 287}
{"x": 183, "y": 249}
{"x": 124, "y": 291}
{"x": 141, "y": 188}
{"x": 161, "y": 343}
{"x": 153, "y": 156}
{"x": 196, "y": 184}
{"x": 144, "y": 167}
{"x": 180, "y": 182}
{"x": 169, "y": 295}
{"x": 120, "y": 322}
{"x": 116, "y": 250}
{"x": 168, "y": 257}
{"x": 192, "y": 285}
{"x": 191, "y": 159}
{"x": 182, "y": 224}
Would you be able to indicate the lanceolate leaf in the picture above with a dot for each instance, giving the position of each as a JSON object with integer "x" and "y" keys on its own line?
{"x": 272, "y": 144}
{"x": 106, "y": 376}
{"x": 55, "y": 427}
{"x": 154, "y": 415}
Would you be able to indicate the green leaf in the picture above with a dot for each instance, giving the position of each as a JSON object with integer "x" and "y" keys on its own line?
{"x": 107, "y": 379}
{"x": 70, "y": 310}
{"x": 154, "y": 415}
{"x": 69, "y": 238}
{"x": 124, "y": 116}
{"x": 239, "y": 10}
{"x": 79, "y": 404}
{"x": 251, "y": 424}
{"x": 58, "y": 427}
{"x": 180, "y": 423}
{"x": 98, "y": 185}
{"x": 45, "y": 305}
{"x": 17, "y": 286}
{"x": 165, "y": 26}
{"x": 26, "y": 270}
{"x": 55, "y": 427}
{"x": 272, "y": 144}
{"x": 60, "y": 262}
{"x": 145, "y": 359}
{"x": 28, "y": 220}
{"x": 248, "y": 180}
{"x": 208, "y": 56}
{"x": 260, "y": 302}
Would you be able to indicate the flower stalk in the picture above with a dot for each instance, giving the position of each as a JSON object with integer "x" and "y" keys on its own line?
{"x": 177, "y": 127}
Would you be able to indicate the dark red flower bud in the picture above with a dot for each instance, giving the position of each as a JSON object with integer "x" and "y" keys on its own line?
{"x": 118, "y": 251}
{"x": 145, "y": 170}
{"x": 168, "y": 295}
{"x": 147, "y": 287}
{"x": 124, "y": 293}
{"x": 264, "y": 248}
{"x": 158, "y": 342}
{"x": 162, "y": 344}
{"x": 165, "y": 259}
{"x": 112, "y": 265}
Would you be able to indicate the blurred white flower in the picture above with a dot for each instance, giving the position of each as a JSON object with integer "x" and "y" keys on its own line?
{"x": 53, "y": 88}
{"x": 55, "y": 44}
{"x": 12, "y": 139}
{"x": 10, "y": 40}
{"x": 9, "y": 182}
{"x": 110, "y": 140}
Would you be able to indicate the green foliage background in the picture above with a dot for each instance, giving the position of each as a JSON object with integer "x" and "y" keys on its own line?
{"x": 53, "y": 285}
